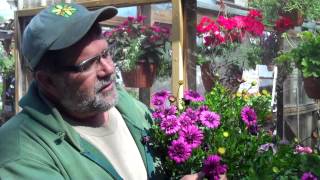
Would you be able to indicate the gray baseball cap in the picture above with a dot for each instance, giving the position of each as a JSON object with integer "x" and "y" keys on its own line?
{"x": 59, "y": 26}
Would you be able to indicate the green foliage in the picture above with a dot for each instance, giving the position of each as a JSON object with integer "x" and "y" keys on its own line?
{"x": 305, "y": 56}
{"x": 248, "y": 154}
{"x": 310, "y": 9}
{"x": 269, "y": 8}
{"x": 6, "y": 63}
{"x": 242, "y": 155}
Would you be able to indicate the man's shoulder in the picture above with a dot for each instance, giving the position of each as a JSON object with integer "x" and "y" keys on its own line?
{"x": 15, "y": 138}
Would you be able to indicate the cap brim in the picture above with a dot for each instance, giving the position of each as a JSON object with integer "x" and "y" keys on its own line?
{"x": 76, "y": 30}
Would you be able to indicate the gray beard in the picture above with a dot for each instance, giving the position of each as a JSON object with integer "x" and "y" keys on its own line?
{"x": 80, "y": 102}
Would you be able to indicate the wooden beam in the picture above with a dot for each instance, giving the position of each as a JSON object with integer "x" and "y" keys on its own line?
{"x": 96, "y": 4}
{"x": 177, "y": 49}
{"x": 144, "y": 93}
{"x": 18, "y": 69}
{"x": 115, "y": 21}
{"x": 189, "y": 28}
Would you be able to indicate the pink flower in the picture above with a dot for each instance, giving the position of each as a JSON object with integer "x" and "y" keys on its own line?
{"x": 249, "y": 116}
{"x": 192, "y": 135}
{"x": 227, "y": 23}
{"x": 213, "y": 168}
{"x": 140, "y": 19}
{"x": 156, "y": 28}
{"x": 210, "y": 119}
{"x": 303, "y": 150}
{"x": 170, "y": 125}
{"x": 255, "y": 13}
{"x": 193, "y": 96}
{"x": 240, "y": 23}
{"x": 308, "y": 176}
{"x": 179, "y": 151}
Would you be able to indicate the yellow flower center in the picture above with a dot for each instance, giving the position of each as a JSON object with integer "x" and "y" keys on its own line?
{"x": 221, "y": 150}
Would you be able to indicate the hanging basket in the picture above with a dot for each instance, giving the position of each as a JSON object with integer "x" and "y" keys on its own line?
{"x": 142, "y": 76}
{"x": 208, "y": 79}
{"x": 312, "y": 87}
{"x": 229, "y": 76}
{"x": 295, "y": 15}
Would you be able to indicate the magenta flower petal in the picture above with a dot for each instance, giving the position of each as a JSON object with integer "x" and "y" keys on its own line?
{"x": 249, "y": 116}
{"x": 185, "y": 120}
{"x": 308, "y": 176}
{"x": 170, "y": 125}
{"x": 192, "y": 135}
{"x": 193, "y": 96}
{"x": 179, "y": 151}
{"x": 213, "y": 168}
{"x": 164, "y": 94}
{"x": 158, "y": 101}
{"x": 210, "y": 119}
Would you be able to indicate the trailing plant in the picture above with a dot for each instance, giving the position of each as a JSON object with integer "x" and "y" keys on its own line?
{"x": 304, "y": 56}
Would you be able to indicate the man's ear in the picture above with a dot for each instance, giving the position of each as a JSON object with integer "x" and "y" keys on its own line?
{"x": 46, "y": 83}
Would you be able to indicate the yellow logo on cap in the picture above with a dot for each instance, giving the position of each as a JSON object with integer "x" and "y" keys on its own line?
{"x": 63, "y": 10}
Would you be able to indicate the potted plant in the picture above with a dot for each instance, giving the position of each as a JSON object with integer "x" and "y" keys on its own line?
{"x": 224, "y": 134}
{"x": 227, "y": 46}
{"x": 296, "y": 10}
{"x": 140, "y": 51}
{"x": 305, "y": 56}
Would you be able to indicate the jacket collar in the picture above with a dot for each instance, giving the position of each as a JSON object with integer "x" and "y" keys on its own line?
{"x": 45, "y": 113}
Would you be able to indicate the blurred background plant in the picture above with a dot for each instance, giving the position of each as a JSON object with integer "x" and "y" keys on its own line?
{"x": 227, "y": 46}
{"x": 223, "y": 38}
{"x": 133, "y": 41}
{"x": 272, "y": 9}
{"x": 304, "y": 55}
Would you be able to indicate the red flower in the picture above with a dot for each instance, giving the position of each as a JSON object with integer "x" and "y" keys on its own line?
{"x": 254, "y": 26}
{"x": 229, "y": 30}
{"x": 205, "y": 19}
{"x": 156, "y": 28}
{"x": 283, "y": 24}
{"x": 208, "y": 40}
{"x": 140, "y": 19}
{"x": 130, "y": 18}
{"x": 240, "y": 23}
{"x": 255, "y": 14}
{"x": 227, "y": 23}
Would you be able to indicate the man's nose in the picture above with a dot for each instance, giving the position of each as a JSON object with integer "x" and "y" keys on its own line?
{"x": 106, "y": 66}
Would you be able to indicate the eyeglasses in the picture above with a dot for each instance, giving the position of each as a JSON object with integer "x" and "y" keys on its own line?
{"x": 87, "y": 64}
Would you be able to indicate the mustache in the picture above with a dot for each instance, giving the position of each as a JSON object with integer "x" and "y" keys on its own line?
{"x": 104, "y": 82}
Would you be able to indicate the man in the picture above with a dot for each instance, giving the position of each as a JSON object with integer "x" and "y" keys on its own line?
{"x": 74, "y": 123}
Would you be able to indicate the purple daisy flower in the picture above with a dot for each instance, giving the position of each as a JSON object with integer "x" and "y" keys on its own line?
{"x": 192, "y": 114}
{"x": 170, "y": 125}
{"x": 185, "y": 120}
{"x": 248, "y": 116}
{"x": 172, "y": 110}
{"x": 158, "y": 101}
{"x": 203, "y": 108}
{"x": 213, "y": 168}
{"x": 192, "y": 135}
{"x": 210, "y": 119}
{"x": 193, "y": 96}
{"x": 158, "y": 114}
{"x": 308, "y": 176}
{"x": 163, "y": 93}
{"x": 179, "y": 151}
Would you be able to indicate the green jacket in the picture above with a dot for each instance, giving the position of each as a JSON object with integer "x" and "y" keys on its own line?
{"x": 38, "y": 144}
